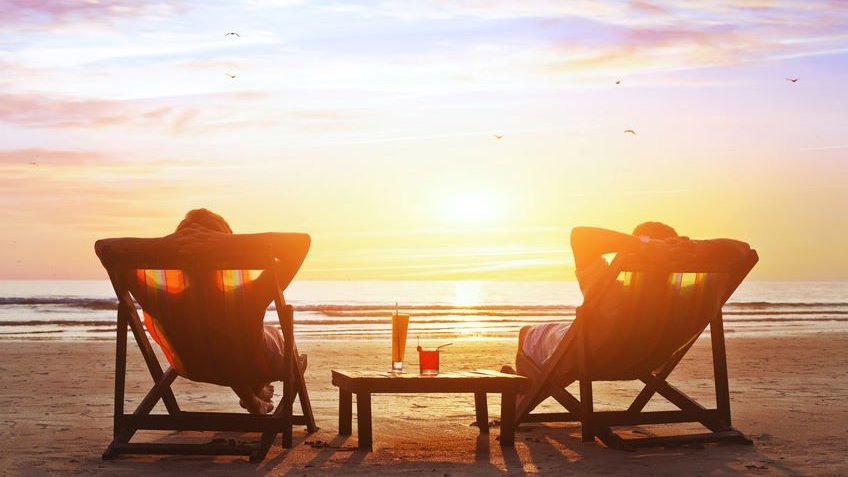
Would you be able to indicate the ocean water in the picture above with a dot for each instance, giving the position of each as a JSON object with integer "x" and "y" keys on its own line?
{"x": 440, "y": 310}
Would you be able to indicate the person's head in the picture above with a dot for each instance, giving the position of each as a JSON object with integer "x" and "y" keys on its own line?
{"x": 206, "y": 219}
{"x": 654, "y": 230}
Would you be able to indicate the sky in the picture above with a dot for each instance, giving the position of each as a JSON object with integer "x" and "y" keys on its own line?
{"x": 372, "y": 126}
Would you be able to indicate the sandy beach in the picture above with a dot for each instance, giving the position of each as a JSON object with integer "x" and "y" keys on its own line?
{"x": 788, "y": 395}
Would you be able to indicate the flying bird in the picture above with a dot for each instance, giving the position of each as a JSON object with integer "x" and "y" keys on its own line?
{"x": 630, "y": 131}
{"x": 617, "y": 81}
{"x": 499, "y": 136}
{"x": 231, "y": 76}
{"x": 232, "y": 33}
{"x": 793, "y": 80}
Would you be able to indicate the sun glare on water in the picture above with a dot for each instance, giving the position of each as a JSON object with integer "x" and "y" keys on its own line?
{"x": 467, "y": 293}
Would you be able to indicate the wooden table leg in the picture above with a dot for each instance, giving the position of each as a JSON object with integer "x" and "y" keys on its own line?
{"x": 481, "y": 409}
{"x": 363, "y": 420}
{"x": 345, "y": 412}
{"x": 508, "y": 419}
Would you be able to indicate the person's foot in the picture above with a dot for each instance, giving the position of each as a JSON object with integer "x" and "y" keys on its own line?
{"x": 257, "y": 406}
{"x": 264, "y": 392}
{"x": 267, "y": 407}
{"x": 507, "y": 369}
{"x": 251, "y": 401}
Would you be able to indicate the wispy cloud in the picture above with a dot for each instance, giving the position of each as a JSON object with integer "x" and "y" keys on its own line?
{"x": 26, "y": 157}
{"x": 29, "y": 14}
{"x": 91, "y": 189}
{"x": 175, "y": 115}
{"x": 40, "y": 111}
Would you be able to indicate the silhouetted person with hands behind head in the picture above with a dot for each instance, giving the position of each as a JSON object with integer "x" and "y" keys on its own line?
{"x": 655, "y": 240}
{"x": 202, "y": 232}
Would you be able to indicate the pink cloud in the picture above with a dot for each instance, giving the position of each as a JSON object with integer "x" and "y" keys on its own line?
{"x": 34, "y": 110}
{"x": 648, "y": 7}
{"x": 646, "y": 48}
{"x": 175, "y": 115}
{"x": 91, "y": 190}
{"x": 48, "y": 156}
{"x": 25, "y": 14}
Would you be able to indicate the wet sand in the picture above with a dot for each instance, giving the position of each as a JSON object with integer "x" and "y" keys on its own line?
{"x": 787, "y": 393}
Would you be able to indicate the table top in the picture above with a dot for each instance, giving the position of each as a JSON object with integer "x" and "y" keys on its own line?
{"x": 479, "y": 380}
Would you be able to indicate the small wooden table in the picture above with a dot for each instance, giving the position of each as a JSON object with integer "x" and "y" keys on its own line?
{"x": 479, "y": 382}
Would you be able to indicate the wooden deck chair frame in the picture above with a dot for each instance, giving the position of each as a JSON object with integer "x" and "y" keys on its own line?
{"x": 125, "y": 424}
{"x": 549, "y": 381}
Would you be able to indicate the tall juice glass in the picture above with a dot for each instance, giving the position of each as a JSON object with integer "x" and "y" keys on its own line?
{"x": 400, "y": 323}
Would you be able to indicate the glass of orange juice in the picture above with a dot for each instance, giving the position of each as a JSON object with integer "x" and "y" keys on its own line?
{"x": 400, "y": 324}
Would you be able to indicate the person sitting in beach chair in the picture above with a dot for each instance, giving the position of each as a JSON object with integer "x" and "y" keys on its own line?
{"x": 201, "y": 228}
{"x": 640, "y": 315}
{"x": 204, "y": 302}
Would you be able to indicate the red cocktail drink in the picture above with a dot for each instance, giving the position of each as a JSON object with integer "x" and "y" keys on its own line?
{"x": 428, "y": 361}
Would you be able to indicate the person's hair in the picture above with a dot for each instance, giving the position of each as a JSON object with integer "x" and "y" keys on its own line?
{"x": 655, "y": 230}
{"x": 206, "y": 219}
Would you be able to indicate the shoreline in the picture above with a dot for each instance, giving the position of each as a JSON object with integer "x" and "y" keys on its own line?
{"x": 787, "y": 394}
{"x": 838, "y": 326}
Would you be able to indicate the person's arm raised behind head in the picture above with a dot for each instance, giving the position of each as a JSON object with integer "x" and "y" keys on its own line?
{"x": 590, "y": 243}
{"x": 289, "y": 248}
{"x": 104, "y": 248}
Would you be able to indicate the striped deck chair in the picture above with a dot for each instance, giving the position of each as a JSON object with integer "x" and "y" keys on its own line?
{"x": 664, "y": 308}
{"x": 195, "y": 308}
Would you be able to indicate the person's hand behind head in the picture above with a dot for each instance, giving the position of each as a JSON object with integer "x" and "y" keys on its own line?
{"x": 198, "y": 240}
{"x": 680, "y": 245}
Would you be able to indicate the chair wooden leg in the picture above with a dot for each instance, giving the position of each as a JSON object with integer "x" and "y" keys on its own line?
{"x": 120, "y": 370}
{"x": 525, "y": 403}
{"x": 720, "y": 370}
{"x": 612, "y": 440}
{"x": 305, "y": 404}
{"x": 287, "y": 401}
{"x": 587, "y": 420}
{"x": 539, "y": 383}
{"x": 119, "y": 434}
{"x": 262, "y": 448}
{"x": 150, "y": 359}
{"x": 649, "y": 390}
{"x": 565, "y": 398}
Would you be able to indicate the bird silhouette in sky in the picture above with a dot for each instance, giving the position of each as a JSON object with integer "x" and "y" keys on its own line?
{"x": 630, "y": 131}
{"x": 33, "y": 163}
{"x": 498, "y": 136}
{"x": 231, "y": 76}
{"x": 617, "y": 81}
{"x": 232, "y": 33}
{"x": 792, "y": 80}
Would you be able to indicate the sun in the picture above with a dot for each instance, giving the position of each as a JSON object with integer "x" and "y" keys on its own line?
{"x": 472, "y": 209}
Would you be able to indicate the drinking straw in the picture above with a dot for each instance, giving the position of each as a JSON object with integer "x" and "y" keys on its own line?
{"x": 442, "y": 346}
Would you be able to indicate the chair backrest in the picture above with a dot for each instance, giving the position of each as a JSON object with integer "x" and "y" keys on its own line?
{"x": 206, "y": 310}
{"x": 663, "y": 306}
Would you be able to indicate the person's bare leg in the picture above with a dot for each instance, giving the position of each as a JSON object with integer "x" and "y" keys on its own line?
{"x": 522, "y": 334}
{"x": 520, "y": 358}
